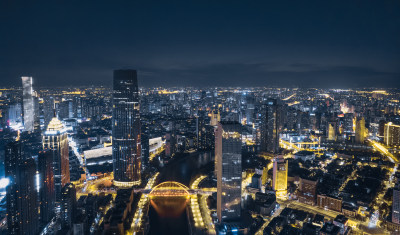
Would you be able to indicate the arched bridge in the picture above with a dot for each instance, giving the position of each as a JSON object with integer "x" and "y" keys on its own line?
{"x": 170, "y": 189}
{"x": 173, "y": 189}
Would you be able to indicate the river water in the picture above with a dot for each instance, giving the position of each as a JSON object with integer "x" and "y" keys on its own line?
{"x": 183, "y": 171}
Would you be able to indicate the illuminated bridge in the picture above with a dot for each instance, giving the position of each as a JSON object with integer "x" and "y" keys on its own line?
{"x": 170, "y": 189}
{"x": 173, "y": 189}
{"x": 299, "y": 146}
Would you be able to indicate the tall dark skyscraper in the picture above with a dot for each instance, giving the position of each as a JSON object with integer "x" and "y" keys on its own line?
{"x": 126, "y": 130}
{"x": 145, "y": 146}
{"x": 228, "y": 164}
{"x": 47, "y": 191}
{"x": 22, "y": 204}
{"x": 270, "y": 127}
{"x": 68, "y": 205}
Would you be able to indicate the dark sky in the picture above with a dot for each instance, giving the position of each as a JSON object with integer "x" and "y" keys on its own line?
{"x": 202, "y": 43}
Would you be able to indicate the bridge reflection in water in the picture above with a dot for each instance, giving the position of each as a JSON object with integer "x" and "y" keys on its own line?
{"x": 169, "y": 199}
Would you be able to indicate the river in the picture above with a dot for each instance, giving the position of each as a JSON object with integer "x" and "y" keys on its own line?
{"x": 182, "y": 170}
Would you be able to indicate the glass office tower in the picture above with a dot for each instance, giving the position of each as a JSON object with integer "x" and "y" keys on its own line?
{"x": 126, "y": 131}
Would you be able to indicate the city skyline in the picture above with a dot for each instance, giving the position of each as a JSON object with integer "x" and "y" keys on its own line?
{"x": 200, "y": 117}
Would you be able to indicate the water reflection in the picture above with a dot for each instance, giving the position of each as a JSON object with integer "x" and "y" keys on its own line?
{"x": 169, "y": 207}
{"x": 168, "y": 215}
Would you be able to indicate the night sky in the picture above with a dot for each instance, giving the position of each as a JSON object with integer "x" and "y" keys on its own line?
{"x": 319, "y": 43}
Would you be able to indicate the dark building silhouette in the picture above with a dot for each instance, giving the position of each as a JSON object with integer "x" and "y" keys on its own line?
{"x": 68, "y": 205}
{"x": 205, "y": 134}
{"x": 145, "y": 146}
{"x": 270, "y": 127}
{"x": 22, "y": 204}
{"x": 228, "y": 166}
{"x": 126, "y": 129}
{"x": 47, "y": 190}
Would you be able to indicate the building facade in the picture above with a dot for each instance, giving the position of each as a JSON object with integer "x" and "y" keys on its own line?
{"x": 280, "y": 174}
{"x": 307, "y": 191}
{"x": 392, "y": 134}
{"x": 21, "y": 197}
{"x": 360, "y": 130}
{"x": 329, "y": 202}
{"x": 28, "y": 105}
{"x": 228, "y": 157}
{"x": 47, "y": 190}
{"x": 68, "y": 205}
{"x": 126, "y": 129}
{"x": 55, "y": 139}
{"x": 269, "y": 139}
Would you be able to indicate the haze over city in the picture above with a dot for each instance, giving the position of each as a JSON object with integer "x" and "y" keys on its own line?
{"x": 203, "y": 43}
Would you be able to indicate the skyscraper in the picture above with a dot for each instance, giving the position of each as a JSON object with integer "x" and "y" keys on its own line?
{"x": 68, "y": 205}
{"x": 280, "y": 173}
{"x": 396, "y": 204}
{"x": 392, "y": 134}
{"x": 126, "y": 129}
{"x": 228, "y": 157}
{"x": 332, "y": 130}
{"x": 22, "y": 205}
{"x": 48, "y": 110}
{"x": 205, "y": 134}
{"x": 28, "y": 105}
{"x": 348, "y": 122}
{"x": 55, "y": 139}
{"x": 145, "y": 146}
{"x": 47, "y": 192}
{"x": 360, "y": 130}
{"x": 270, "y": 127}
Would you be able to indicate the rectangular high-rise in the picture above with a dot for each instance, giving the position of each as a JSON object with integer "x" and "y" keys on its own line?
{"x": 68, "y": 205}
{"x": 270, "y": 127}
{"x": 332, "y": 131}
{"x": 21, "y": 197}
{"x": 392, "y": 134}
{"x": 28, "y": 105}
{"x": 228, "y": 164}
{"x": 280, "y": 174}
{"x": 47, "y": 191}
{"x": 396, "y": 204}
{"x": 55, "y": 139}
{"x": 360, "y": 130}
{"x": 126, "y": 130}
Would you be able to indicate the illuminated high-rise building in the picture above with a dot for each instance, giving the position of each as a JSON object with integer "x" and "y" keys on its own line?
{"x": 126, "y": 129}
{"x": 270, "y": 127}
{"x": 360, "y": 130}
{"x": 332, "y": 131}
{"x": 21, "y": 197}
{"x": 215, "y": 118}
{"x": 228, "y": 164}
{"x": 47, "y": 192}
{"x": 391, "y": 134}
{"x": 28, "y": 105}
{"x": 55, "y": 139}
{"x": 280, "y": 174}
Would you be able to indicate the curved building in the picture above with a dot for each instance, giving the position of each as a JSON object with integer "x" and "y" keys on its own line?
{"x": 126, "y": 149}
